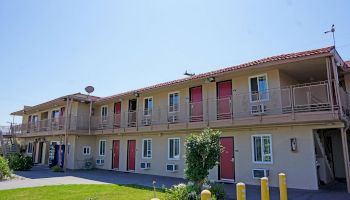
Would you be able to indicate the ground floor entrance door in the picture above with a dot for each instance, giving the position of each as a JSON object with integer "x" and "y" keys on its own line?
{"x": 227, "y": 162}
{"x": 115, "y": 158}
{"x": 131, "y": 155}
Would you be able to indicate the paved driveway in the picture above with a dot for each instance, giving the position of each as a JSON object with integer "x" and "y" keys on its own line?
{"x": 39, "y": 176}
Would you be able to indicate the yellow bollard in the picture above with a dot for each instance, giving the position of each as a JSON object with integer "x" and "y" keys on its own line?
{"x": 283, "y": 186}
{"x": 265, "y": 194}
{"x": 205, "y": 195}
{"x": 240, "y": 191}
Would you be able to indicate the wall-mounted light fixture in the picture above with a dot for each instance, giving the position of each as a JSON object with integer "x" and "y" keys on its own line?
{"x": 211, "y": 79}
{"x": 293, "y": 144}
{"x": 136, "y": 94}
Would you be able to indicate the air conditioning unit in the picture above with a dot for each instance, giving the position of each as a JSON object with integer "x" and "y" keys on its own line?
{"x": 145, "y": 165}
{"x": 172, "y": 167}
{"x": 100, "y": 161}
{"x": 172, "y": 119}
{"x": 147, "y": 122}
{"x": 258, "y": 109}
{"x": 260, "y": 173}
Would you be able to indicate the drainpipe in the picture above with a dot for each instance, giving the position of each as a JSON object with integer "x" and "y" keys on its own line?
{"x": 90, "y": 110}
{"x": 346, "y": 152}
{"x": 346, "y": 123}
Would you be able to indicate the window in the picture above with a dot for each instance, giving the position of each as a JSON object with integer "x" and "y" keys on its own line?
{"x": 55, "y": 114}
{"x": 174, "y": 102}
{"x": 30, "y": 148}
{"x": 262, "y": 149}
{"x": 174, "y": 148}
{"x": 147, "y": 148}
{"x": 86, "y": 150}
{"x": 258, "y": 88}
{"x": 148, "y": 106}
{"x": 104, "y": 112}
{"x": 102, "y": 149}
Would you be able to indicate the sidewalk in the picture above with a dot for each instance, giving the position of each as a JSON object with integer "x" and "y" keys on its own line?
{"x": 40, "y": 176}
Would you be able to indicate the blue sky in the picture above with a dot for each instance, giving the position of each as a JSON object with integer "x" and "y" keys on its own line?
{"x": 53, "y": 48}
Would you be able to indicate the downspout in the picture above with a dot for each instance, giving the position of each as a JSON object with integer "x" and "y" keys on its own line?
{"x": 90, "y": 108}
{"x": 346, "y": 123}
{"x": 68, "y": 116}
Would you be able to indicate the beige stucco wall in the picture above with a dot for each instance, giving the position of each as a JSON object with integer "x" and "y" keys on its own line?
{"x": 299, "y": 166}
{"x": 48, "y": 141}
{"x": 347, "y": 81}
{"x": 159, "y": 153}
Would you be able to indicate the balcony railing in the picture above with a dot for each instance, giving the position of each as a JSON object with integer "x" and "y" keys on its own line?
{"x": 72, "y": 123}
{"x": 309, "y": 97}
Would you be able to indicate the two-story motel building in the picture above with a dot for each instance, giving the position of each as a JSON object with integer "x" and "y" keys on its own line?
{"x": 287, "y": 113}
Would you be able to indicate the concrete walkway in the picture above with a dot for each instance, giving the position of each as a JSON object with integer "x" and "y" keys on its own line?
{"x": 40, "y": 176}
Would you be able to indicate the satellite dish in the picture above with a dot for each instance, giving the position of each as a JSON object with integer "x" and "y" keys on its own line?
{"x": 89, "y": 89}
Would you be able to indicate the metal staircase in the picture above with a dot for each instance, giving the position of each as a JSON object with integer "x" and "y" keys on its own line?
{"x": 322, "y": 154}
{"x": 8, "y": 144}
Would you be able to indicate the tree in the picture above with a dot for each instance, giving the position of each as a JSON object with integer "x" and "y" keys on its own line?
{"x": 202, "y": 154}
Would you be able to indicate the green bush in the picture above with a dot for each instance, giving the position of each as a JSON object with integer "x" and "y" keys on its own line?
{"x": 178, "y": 192}
{"x": 57, "y": 168}
{"x": 5, "y": 171}
{"x": 202, "y": 154}
{"x": 218, "y": 190}
{"x": 20, "y": 162}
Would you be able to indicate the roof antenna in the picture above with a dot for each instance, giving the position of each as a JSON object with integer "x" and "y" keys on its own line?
{"x": 188, "y": 74}
{"x": 332, "y": 31}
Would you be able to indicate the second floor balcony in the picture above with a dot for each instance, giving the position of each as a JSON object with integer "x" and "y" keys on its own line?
{"x": 300, "y": 103}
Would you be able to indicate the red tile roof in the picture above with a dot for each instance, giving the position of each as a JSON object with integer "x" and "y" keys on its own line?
{"x": 227, "y": 69}
{"x": 347, "y": 63}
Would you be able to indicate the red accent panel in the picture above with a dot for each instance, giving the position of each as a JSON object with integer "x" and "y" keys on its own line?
{"x": 117, "y": 114}
{"x": 115, "y": 154}
{"x": 63, "y": 109}
{"x": 227, "y": 166}
{"x": 131, "y": 154}
{"x": 224, "y": 99}
{"x": 196, "y": 99}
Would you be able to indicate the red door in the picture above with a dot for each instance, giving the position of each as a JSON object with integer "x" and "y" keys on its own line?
{"x": 224, "y": 94}
{"x": 196, "y": 104}
{"x": 117, "y": 114}
{"x": 131, "y": 154}
{"x": 227, "y": 164}
{"x": 115, "y": 158}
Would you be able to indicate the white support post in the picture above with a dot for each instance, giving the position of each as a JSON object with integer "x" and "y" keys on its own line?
{"x": 346, "y": 157}
{"x": 330, "y": 81}
{"x": 336, "y": 87}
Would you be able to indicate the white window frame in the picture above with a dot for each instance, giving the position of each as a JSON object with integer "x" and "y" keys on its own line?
{"x": 143, "y": 148}
{"x": 262, "y": 149}
{"x": 177, "y": 157}
{"x": 174, "y": 92}
{"x": 31, "y": 149}
{"x": 55, "y": 110}
{"x": 104, "y": 118}
{"x": 250, "y": 88}
{"x": 86, "y": 147}
{"x": 99, "y": 147}
{"x": 144, "y": 106}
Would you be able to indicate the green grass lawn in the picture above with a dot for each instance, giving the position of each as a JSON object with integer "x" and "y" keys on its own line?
{"x": 84, "y": 192}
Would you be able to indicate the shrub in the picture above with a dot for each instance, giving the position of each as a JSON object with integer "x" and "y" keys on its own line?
{"x": 202, "y": 154}
{"x": 218, "y": 190}
{"x": 5, "y": 171}
{"x": 57, "y": 168}
{"x": 20, "y": 162}
{"x": 177, "y": 192}
{"x": 193, "y": 192}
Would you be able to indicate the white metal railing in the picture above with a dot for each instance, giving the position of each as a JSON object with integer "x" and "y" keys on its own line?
{"x": 293, "y": 99}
